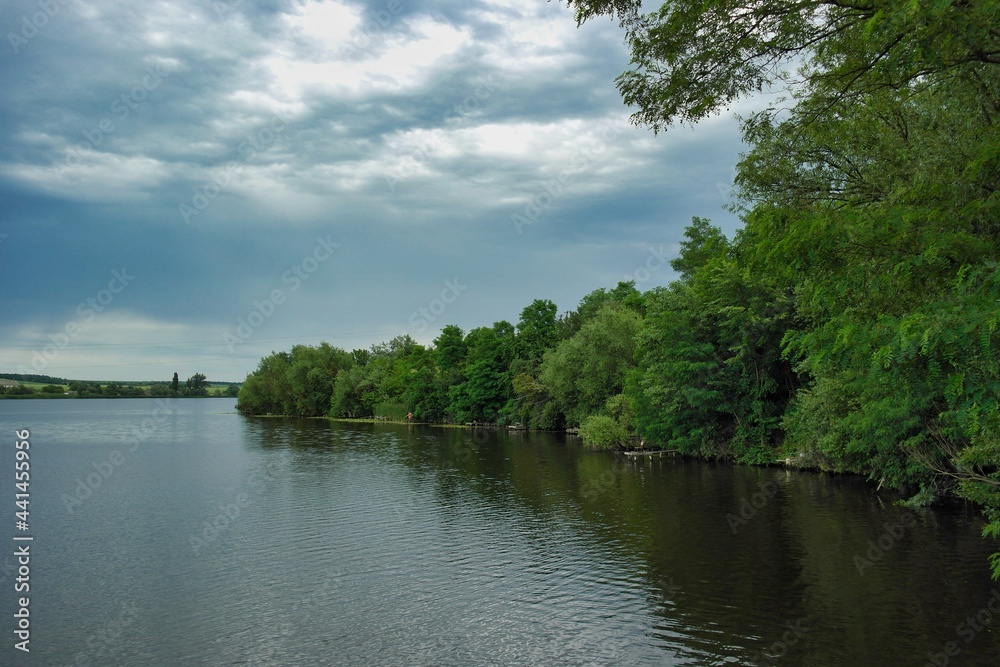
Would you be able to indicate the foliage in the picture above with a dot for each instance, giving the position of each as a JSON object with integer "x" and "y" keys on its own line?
{"x": 296, "y": 383}
{"x": 692, "y": 58}
{"x": 603, "y": 432}
{"x": 854, "y": 319}
{"x": 582, "y": 372}
{"x": 486, "y": 388}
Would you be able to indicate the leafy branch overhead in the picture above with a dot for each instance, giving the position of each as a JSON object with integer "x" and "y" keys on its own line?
{"x": 692, "y": 58}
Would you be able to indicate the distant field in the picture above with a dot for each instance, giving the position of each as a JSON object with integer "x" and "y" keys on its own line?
{"x": 214, "y": 388}
{"x": 39, "y": 385}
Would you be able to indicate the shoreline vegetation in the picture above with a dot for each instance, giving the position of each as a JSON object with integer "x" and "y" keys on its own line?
{"x": 851, "y": 323}
{"x": 20, "y": 386}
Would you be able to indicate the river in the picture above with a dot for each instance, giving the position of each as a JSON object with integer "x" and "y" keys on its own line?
{"x": 181, "y": 533}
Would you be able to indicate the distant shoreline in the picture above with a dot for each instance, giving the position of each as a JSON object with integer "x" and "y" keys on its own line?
{"x": 43, "y": 396}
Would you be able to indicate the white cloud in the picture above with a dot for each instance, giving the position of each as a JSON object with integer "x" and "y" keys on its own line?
{"x": 404, "y": 61}
{"x": 92, "y": 176}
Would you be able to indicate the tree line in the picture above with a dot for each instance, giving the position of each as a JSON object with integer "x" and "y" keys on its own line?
{"x": 854, "y": 318}
{"x": 196, "y": 386}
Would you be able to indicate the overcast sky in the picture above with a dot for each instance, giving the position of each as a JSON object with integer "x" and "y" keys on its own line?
{"x": 186, "y": 186}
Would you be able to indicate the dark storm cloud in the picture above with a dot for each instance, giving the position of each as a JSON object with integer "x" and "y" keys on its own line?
{"x": 210, "y": 147}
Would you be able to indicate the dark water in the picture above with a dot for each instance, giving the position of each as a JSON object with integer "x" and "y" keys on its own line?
{"x": 215, "y": 539}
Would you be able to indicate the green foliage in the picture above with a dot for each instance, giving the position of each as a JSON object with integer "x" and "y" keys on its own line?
{"x": 871, "y": 238}
{"x": 196, "y": 385}
{"x": 854, "y": 319}
{"x": 692, "y": 58}
{"x": 603, "y": 432}
{"x": 582, "y": 372}
{"x": 486, "y": 388}
{"x": 296, "y": 383}
{"x": 391, "y": 410}
{"x": 624, "y": 294}
{"x": 711, "y": 379}
{"x": 536, "y": 330}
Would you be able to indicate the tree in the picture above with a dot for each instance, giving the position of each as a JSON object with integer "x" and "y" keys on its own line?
{"x": 692, "y": 58}
{"x": 536, "y": 330}
{"x": 871, "y": 211}
{"x": 583, "y": 372}
{"x": 624, "y": 294}
{"x": 711, "y": 379}
{"x": 349, "y": 390}
{"x": 197, "y": 385}
{"x": 175, "y": 383}
{"x": 703, "y": 242}
{"x": 486, "y": 388}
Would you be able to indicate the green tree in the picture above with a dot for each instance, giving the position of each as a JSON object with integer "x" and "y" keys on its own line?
{"x": 581, "y": 373}
{"x": 450, "y": 348}
{"x": 486, "y": 388}
{"x": 175, "y": 383}
{"x": 536, "y": 330}
{"x": 624, "y": 294}
{"x": 691, "y": 58}
{"x": 311, "y": 373}
{"x": 711, "y": 378}
{"x": 197, "y": 385}
{"x": 267, "y": 391}
{"x": 348, "y": 393}
{"x": 870, "y": 204}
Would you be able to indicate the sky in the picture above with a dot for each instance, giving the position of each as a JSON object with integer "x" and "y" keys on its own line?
{"x": 188, "y": 186}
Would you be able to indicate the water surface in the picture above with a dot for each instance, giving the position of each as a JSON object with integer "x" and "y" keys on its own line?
{"x": 218, "y": 539}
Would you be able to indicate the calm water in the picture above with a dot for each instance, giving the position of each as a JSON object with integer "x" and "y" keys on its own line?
{"x": 224, "y": 540}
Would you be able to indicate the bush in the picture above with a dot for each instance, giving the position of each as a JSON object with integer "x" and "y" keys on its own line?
{"x": 601, "y": 432}
{"x": 391, "y": 410}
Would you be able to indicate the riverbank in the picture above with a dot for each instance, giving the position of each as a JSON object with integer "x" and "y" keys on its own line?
{"x": 39, "y": 395}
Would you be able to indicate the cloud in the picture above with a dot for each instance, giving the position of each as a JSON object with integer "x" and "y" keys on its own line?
{"x": 208, "y": 144}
